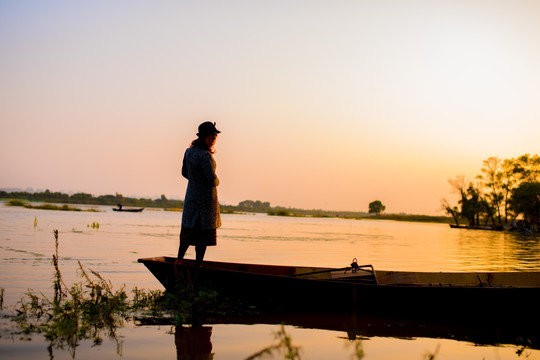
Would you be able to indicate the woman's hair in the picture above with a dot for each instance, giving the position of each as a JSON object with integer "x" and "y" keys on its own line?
{"x": 200, "y": 142}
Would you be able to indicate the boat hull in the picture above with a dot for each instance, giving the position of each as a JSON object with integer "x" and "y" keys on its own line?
{"x": 284, "y": 288}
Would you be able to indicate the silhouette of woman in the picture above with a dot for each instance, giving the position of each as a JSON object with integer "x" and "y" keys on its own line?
{"x": 200, "y": 216}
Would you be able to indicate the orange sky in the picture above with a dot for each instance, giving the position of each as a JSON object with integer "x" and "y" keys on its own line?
{"x": 321, "y": 104}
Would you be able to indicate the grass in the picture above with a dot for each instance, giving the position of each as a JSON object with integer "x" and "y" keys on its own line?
{"x": 89, "y": 309}
{"x": 64, "y": 207}
{"x": 283, "y": 213}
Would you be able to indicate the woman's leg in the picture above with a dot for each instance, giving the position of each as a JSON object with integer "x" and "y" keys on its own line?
{"x": 182, "y": 249}
{"x": 200, "y": 250}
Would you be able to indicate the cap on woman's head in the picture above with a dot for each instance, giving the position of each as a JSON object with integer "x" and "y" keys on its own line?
{"x": 207, "y": 128}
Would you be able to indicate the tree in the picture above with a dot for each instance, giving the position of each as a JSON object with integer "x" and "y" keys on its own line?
{"x": 509, "y": 181}
{"x": 376, "y": 207}
{"x": 527, "y": 168}
{"x": 82, "y": 198}
{"x": 526, "y": 201}
{"x": 454, "y": 211}
{"x": 471, "y": 201}
{"x": 500, "y": 187}
{"x": 492, "y": 179}
{"x": 250, "y": 205}
{"x": 471, "y": 205}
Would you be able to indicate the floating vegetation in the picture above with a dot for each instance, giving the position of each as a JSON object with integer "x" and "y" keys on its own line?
{"x": 14, "y": 202}
{"x": 279, "y": 213}
{"x": 46, "y": 207}
{"x": 93, "y": 225}
{"x": 226, "y": 211}
{"x": 283, "y": 212}
{"x": 35, "y": 221}
{"x": 34, "y": 254}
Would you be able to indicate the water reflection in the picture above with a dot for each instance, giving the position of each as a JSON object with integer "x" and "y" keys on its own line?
{"x": 525, "y": 249}
{"x": 193, "y": 342}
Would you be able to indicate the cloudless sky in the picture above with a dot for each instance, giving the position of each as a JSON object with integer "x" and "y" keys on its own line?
{"x": 321, "y": 104}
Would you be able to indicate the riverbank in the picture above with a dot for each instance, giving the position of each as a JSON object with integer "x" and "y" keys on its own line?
{"x": 356, "y": 216}
{"x": 243, "y": 207}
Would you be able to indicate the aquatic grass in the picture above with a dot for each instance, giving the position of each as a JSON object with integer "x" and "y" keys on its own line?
{"x": 15, "y": 202}
{"x": 35, "y": 254}
{"x": 289, "y": 351}
{"x": 92, "y": 309}
{"x": 94, "y": 225}
{"x": 284, "y": 345}
{"x": 283, "y": 212}
{"x": 89, "y": 309}
{"x": 64, "y": 207}
{"x": 432, "y": 355}
{"x": 195, "y": 304}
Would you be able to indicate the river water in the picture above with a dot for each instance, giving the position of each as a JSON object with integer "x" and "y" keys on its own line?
{"x": 27, "y": 245}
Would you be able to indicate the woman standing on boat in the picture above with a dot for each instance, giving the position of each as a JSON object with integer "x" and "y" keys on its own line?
{"x": 200, "y": 216}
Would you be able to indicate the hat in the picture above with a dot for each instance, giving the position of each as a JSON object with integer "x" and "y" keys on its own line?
{"x": 207, "y": 128}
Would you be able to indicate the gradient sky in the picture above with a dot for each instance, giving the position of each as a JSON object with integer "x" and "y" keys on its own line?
{"x": 321, "y": 104}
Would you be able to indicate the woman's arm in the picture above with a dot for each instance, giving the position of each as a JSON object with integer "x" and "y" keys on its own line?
{"x": 184, "y": 167}
{"x": 209, "y": 169}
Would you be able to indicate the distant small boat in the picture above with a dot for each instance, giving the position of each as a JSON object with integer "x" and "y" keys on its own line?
{"x": 478, "y": 227}
{"x": 129, "y": 209}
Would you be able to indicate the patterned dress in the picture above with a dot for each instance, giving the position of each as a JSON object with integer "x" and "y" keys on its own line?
{"x": 200, "y": 216}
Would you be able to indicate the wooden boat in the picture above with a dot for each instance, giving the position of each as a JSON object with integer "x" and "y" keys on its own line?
{"x": 362, "y": 289}
{"x": 129, "y": 209}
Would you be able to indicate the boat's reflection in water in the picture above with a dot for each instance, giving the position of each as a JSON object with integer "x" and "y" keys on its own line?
{"x": 194, "y": 342}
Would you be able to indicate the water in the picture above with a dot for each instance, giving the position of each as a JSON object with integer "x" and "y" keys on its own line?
{"x": 122, "y": 238}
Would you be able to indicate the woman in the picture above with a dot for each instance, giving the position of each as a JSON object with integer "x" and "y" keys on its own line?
{"x": 200, "y": 217}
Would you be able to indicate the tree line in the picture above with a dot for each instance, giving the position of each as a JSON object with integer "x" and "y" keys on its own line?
{"x": 89, "y": 199}
{"x": 255, "y": 206}
{"x": 504, "y": 191}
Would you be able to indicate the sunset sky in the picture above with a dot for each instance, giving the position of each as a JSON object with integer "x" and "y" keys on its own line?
{"x": 321, "y": 104}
